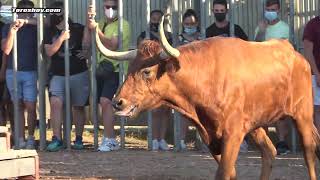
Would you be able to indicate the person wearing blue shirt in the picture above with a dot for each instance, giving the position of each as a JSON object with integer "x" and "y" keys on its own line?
{"x": 27, "y": 68}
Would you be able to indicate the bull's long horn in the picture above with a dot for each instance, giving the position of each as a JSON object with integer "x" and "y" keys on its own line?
{"x": 119, "y": 56}
{"x": 171, "y": 51}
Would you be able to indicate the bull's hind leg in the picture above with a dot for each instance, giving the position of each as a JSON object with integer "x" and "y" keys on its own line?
{"x": 306, "y": 129}
{"x": 268, "y": 151}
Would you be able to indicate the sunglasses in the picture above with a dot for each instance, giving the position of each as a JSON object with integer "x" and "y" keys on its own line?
{"x": 113, "y": 7}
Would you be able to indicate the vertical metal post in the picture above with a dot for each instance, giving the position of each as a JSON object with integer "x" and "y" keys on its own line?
{"x": 41, "y": 76}
{"x": 175, "y": 32}
{"x": 149, "y": 114}
{"x": 203, "y": 18}
{"x": 231, "y": 16}
{"x": 94, "y": 103}
{"x": 292, "y": 40}
{"x": 15, "y": 86}
{"x": 148, "y": 11}
{"x": 121, "y": 72}
{"x": 67, "y": 79}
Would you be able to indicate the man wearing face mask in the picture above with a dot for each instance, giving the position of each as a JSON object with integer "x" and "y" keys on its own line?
{"x": 161, "y": 115}
{"x": 26, "y": 33}
{"x": 273, "y": 28}
{"x": 79, "y": 76}
{"x": 221, "y": 27}
{"x": 155, "y": 17}
{"x": 108, "y": 69}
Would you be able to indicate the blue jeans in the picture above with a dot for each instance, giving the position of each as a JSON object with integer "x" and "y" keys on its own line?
{"x": 27, "y": 85}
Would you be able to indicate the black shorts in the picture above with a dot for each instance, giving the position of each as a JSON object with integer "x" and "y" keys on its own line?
{"x": 107, "y": 87}
{"x": 4, "y": 93}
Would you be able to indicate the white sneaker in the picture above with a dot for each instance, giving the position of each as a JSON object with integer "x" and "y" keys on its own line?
{"x": 163, "y": 145}
{"x": 155, "y": 145}
{"x": 30, "y": 143}
{"x": 244, "y": 147}
{"x": 108, "y": 145}
{"x": 183, "y": 146}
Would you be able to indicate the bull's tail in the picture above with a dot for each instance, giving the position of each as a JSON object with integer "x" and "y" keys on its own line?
{"x": 316, "y": 138}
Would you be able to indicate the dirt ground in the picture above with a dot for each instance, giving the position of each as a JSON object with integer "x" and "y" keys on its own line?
{"x": 135, "y": 162}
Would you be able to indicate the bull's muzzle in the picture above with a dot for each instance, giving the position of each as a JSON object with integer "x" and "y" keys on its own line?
{"x": 119, "y": 104}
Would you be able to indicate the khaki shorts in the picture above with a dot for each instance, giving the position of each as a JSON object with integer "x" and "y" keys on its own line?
{"x": 79, "y": 88}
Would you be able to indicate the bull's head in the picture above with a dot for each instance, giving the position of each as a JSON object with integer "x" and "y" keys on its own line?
{"x": 148, "y": 75}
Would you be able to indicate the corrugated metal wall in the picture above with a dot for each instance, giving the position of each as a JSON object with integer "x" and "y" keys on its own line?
{"x": 247, "y": 13}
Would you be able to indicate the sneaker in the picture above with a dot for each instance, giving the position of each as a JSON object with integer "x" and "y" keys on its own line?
{"x": 244, "y": 147}
{"x": 78, "y": 143}
{"x": 108, "y": 145}
{"x": 183, "y": 146}
{"x": 30, "y": 143}
{"x": 22, "y": 144}
{"x": 155, "y": 145}
{"x": 163, "y": 145}
{"x": 282, "y": 148}
{"x": 55, "y": 145}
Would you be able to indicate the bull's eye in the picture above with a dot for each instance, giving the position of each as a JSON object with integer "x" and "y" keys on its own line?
{"x": 147, "y": 73}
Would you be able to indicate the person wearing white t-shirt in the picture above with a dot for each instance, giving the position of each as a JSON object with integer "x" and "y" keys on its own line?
{"x": 274, "y": 28}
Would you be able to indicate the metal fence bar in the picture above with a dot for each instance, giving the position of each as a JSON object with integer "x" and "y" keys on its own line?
{"x": 42, "y": 85}
{"x": 175, "y": 32}
{"x": 94, "y": 103}
{"x": 293, "y": 42}
{"x": 231, "y": 17}
{"x": 67, "y": 136}
{"x": 15, "y": 85}
{"x": 149, "y": 114}
{"x": 203, "y": 18}
{"x": 121, "y": 73}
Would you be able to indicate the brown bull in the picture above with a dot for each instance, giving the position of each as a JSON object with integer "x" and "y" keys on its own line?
{"x": 228, "y": 87}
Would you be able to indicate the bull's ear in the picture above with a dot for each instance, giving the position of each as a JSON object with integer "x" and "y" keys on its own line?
{"x": 172, "y": 65}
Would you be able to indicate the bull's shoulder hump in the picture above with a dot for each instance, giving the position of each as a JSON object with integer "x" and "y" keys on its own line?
{"x": 274, "y": 42}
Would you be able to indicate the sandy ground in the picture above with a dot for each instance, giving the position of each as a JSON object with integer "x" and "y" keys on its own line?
{"x": 136, "y": 163}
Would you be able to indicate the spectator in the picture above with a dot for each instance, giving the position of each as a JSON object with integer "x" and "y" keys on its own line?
{"x": 108, "y": 69}
{"x": 2, "y": 79}
{"x": 311, "y": 41}
{"x": 26, "y": 33}
{"x": 222, "y": 26}
{"x": 155, "y": 17}
{"x": 190, "y": 33}
{"x": 273, "y": 28}
{"x": 160, "y": 116}
{"x": 79, "y": 76}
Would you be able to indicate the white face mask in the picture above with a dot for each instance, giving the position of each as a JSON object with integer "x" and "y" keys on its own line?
{"x": 110, "y": 13}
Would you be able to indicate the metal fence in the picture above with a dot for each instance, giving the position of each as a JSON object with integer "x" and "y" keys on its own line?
{"x": 246, "y": 13}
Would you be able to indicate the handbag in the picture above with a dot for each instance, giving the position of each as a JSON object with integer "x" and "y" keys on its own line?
{"x": 105, "y": 70}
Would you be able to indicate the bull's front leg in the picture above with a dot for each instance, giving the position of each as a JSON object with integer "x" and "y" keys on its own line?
{"x": 230, "y": 149}
{"x": 234, "y": 172}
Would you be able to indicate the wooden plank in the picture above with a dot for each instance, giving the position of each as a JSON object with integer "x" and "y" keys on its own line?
{"x": 4, "y": 129}
{"x": 3, "y": 144}
{"x": 18, "y": 167}
{"x": 14, "y": 154}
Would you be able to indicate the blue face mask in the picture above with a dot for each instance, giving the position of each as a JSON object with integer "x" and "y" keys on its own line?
{"x": 271, "y": 15}
{"x": 190, "y": 30}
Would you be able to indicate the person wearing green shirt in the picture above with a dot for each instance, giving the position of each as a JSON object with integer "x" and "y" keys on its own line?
{"x": 108, "y": 69}
{"x": 274, "y": 28}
